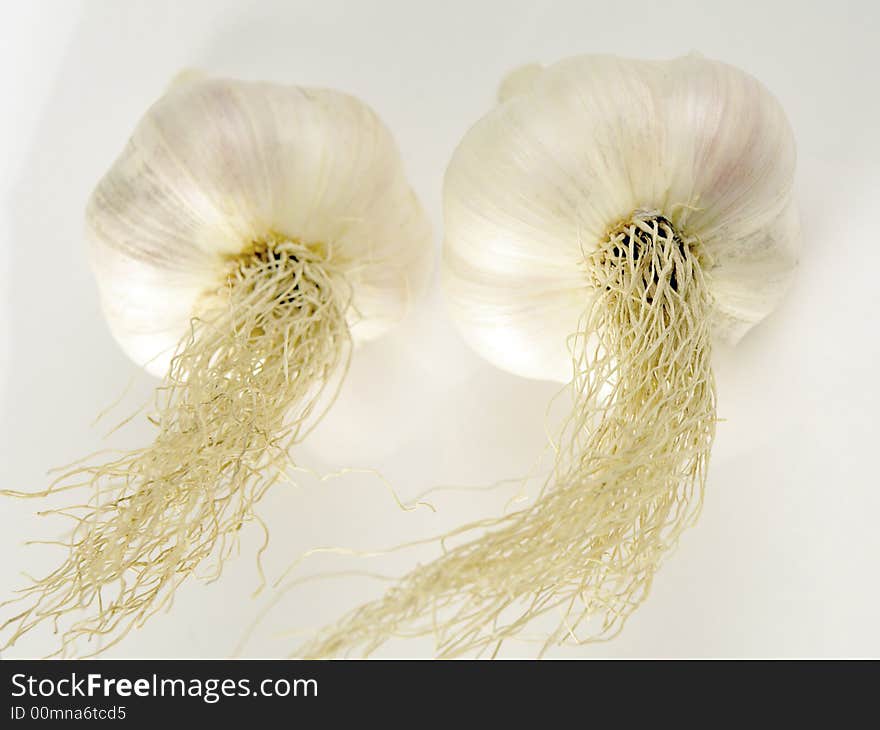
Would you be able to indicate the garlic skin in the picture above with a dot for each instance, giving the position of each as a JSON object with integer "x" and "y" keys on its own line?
{"x": 217, "y": 164}
{"x": 572, "y": 150}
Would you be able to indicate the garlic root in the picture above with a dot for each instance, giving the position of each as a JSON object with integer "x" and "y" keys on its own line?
{"x": 629, "y": 475}
{"x": 240, "y": 392}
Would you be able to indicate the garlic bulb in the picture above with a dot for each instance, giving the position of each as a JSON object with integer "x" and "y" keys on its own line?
{"x": 216, "y": 165}
{"x": 579, "y": 146}
{"x": 605, "y": 223}
{"x": 248, "y": 235}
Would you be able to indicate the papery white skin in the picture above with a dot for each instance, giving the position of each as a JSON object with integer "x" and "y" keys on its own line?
{"x": 215, "y": 165}
{"x": 572, "y": 150}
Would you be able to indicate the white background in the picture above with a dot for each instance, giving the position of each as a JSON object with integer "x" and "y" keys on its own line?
{"x": 784, "y": 561}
